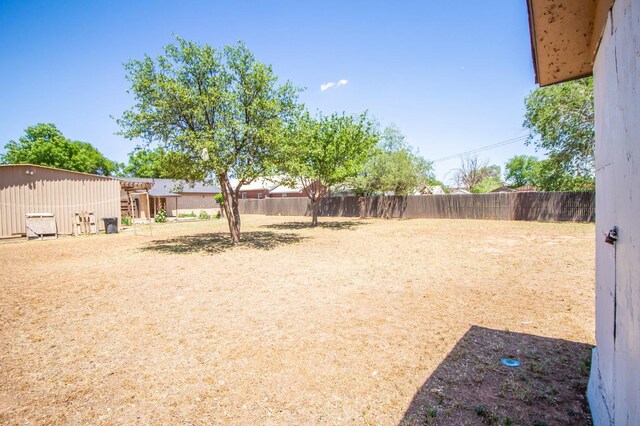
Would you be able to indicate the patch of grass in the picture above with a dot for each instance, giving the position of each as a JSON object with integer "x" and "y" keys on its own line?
{"x": 221, "y": 241}
{"x": 480, "y": 410}
{"x": 334, "y": 225}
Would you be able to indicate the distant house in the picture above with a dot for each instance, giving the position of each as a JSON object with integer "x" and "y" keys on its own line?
{"x": 503, "y": 189}
{"x": 175, "y": 196}
{"x": 526, "y": 188}
{"x": 283, "y": 191}
{"x": 430, "y": 190}
{"x": 257, "y": 190}
{"x": 458, "y": 191}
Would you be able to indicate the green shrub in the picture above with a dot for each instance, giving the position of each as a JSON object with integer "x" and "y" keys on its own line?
{"x": 192, "y": 214}
{"x": 218, "y": 215}
{"x": 204, "y": 215}
{"x": 126, "y": 220}
{"x": 161, "y": 216}
{"x": 219, "y": 199}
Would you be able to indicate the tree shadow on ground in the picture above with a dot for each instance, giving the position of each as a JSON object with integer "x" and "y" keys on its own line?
{"x": 472, "y": 386}
{"x": 218, "y": 242}
{"x": 336, "y": 226}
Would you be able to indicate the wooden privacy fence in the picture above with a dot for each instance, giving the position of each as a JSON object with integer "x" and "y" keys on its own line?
{"x": 534, "y": 206}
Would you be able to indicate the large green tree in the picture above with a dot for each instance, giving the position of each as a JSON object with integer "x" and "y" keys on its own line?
{"x": 548, "y": 175}
{"x": 44, "y": 145}
{"x": 520, "y": 170}
{"x": 150, "y": 163}
{"x": 325, "y": 151}
{"x": 219, "y": 112}
{"x": 561, "y": 121}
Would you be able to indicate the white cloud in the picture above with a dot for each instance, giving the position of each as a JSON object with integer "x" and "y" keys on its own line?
{"x": 331, "y": 84}
{"x": 326, "y": 86}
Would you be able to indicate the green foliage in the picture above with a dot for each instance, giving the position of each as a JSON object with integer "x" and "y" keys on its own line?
{"x": 204, "y": 215}
{"x": 480, "y": 409}
{"x": 219, "y": 199}
{"x": 217, "y": 111}
{"x": 149, "y": 163}
{"x": 218, "y": 215}
{"x": 549, "y": 175}
{"x": 327, "y": 150}
{"x": 126, "y": 220}
{"x": 520, "y": 170}
{"x": 487, "y": 184}
{"x": 44, "y": 145}
{"x": 545, "y": 175}
{"x": 393, "y": 168}
{"x": 561, "y": 121}
{"x": 192, "y": 214}
{"x": 161, "y": 216}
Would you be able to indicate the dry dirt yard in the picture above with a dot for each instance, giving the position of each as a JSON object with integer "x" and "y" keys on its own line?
{"x": 363, "y": 322}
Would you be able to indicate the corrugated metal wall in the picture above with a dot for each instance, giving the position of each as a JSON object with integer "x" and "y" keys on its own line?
{"x": 60, "y": 192}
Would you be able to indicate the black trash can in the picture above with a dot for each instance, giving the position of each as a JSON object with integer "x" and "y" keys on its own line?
{"x": 110, "y": 225}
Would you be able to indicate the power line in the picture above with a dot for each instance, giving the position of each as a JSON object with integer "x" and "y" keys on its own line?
{"x": 483, "y": 148}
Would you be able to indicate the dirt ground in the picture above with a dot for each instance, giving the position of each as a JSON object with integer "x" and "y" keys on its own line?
{"x": 364, "y": 322}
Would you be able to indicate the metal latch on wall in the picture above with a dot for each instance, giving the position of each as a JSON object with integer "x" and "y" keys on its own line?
{"x": 612, "y": 236}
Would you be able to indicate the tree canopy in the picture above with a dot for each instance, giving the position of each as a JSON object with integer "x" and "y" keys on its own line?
{"x": 393, "y": 168}
{"x": 326, "y": 150}
{"x": 218, "y": 112}
{"x": 520, "y": 170}
{"x": 150, "y": 163}
{"x": 44, "y": 145}
{"x": 561, "y": 121}
{"x": 545, "y": 175}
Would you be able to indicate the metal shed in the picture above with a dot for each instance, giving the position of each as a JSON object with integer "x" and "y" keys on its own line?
{"x": 25, "y": 188}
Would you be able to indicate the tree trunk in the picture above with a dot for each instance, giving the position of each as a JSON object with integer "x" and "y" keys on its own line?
{"x": 386, "y": 207}
{"x": 230, "y": 205}
{"x": 362, "y": 204}
{"x": 315, "y": 204}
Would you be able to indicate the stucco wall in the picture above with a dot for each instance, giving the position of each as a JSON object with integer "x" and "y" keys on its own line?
{"x": 195, "y": 203}
{"x": 614, "y": 388}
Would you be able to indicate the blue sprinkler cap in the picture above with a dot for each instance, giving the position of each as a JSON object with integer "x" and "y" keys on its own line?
{"x": 510, "y": 362}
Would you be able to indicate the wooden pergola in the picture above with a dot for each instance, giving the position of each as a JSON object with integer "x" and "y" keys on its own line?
{"x": 135, "y": 189}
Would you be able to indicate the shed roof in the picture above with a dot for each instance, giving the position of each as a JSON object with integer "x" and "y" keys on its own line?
{"x": 283, "y": 189}
{"x": 33, "y": 166}
{"x": 257, "y": 184}
{"x": 174, "y": 187}
{"x": 565, "y": 36}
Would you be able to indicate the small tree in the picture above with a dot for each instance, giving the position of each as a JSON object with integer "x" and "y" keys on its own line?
{"x": 325, "y": 151}
{"x": 473, "y": 172}
{"x": 219, "y": 112}
{"x": 393, "y": 169}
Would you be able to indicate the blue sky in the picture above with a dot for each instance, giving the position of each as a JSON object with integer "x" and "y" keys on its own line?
{"x": 451, "y": 75}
